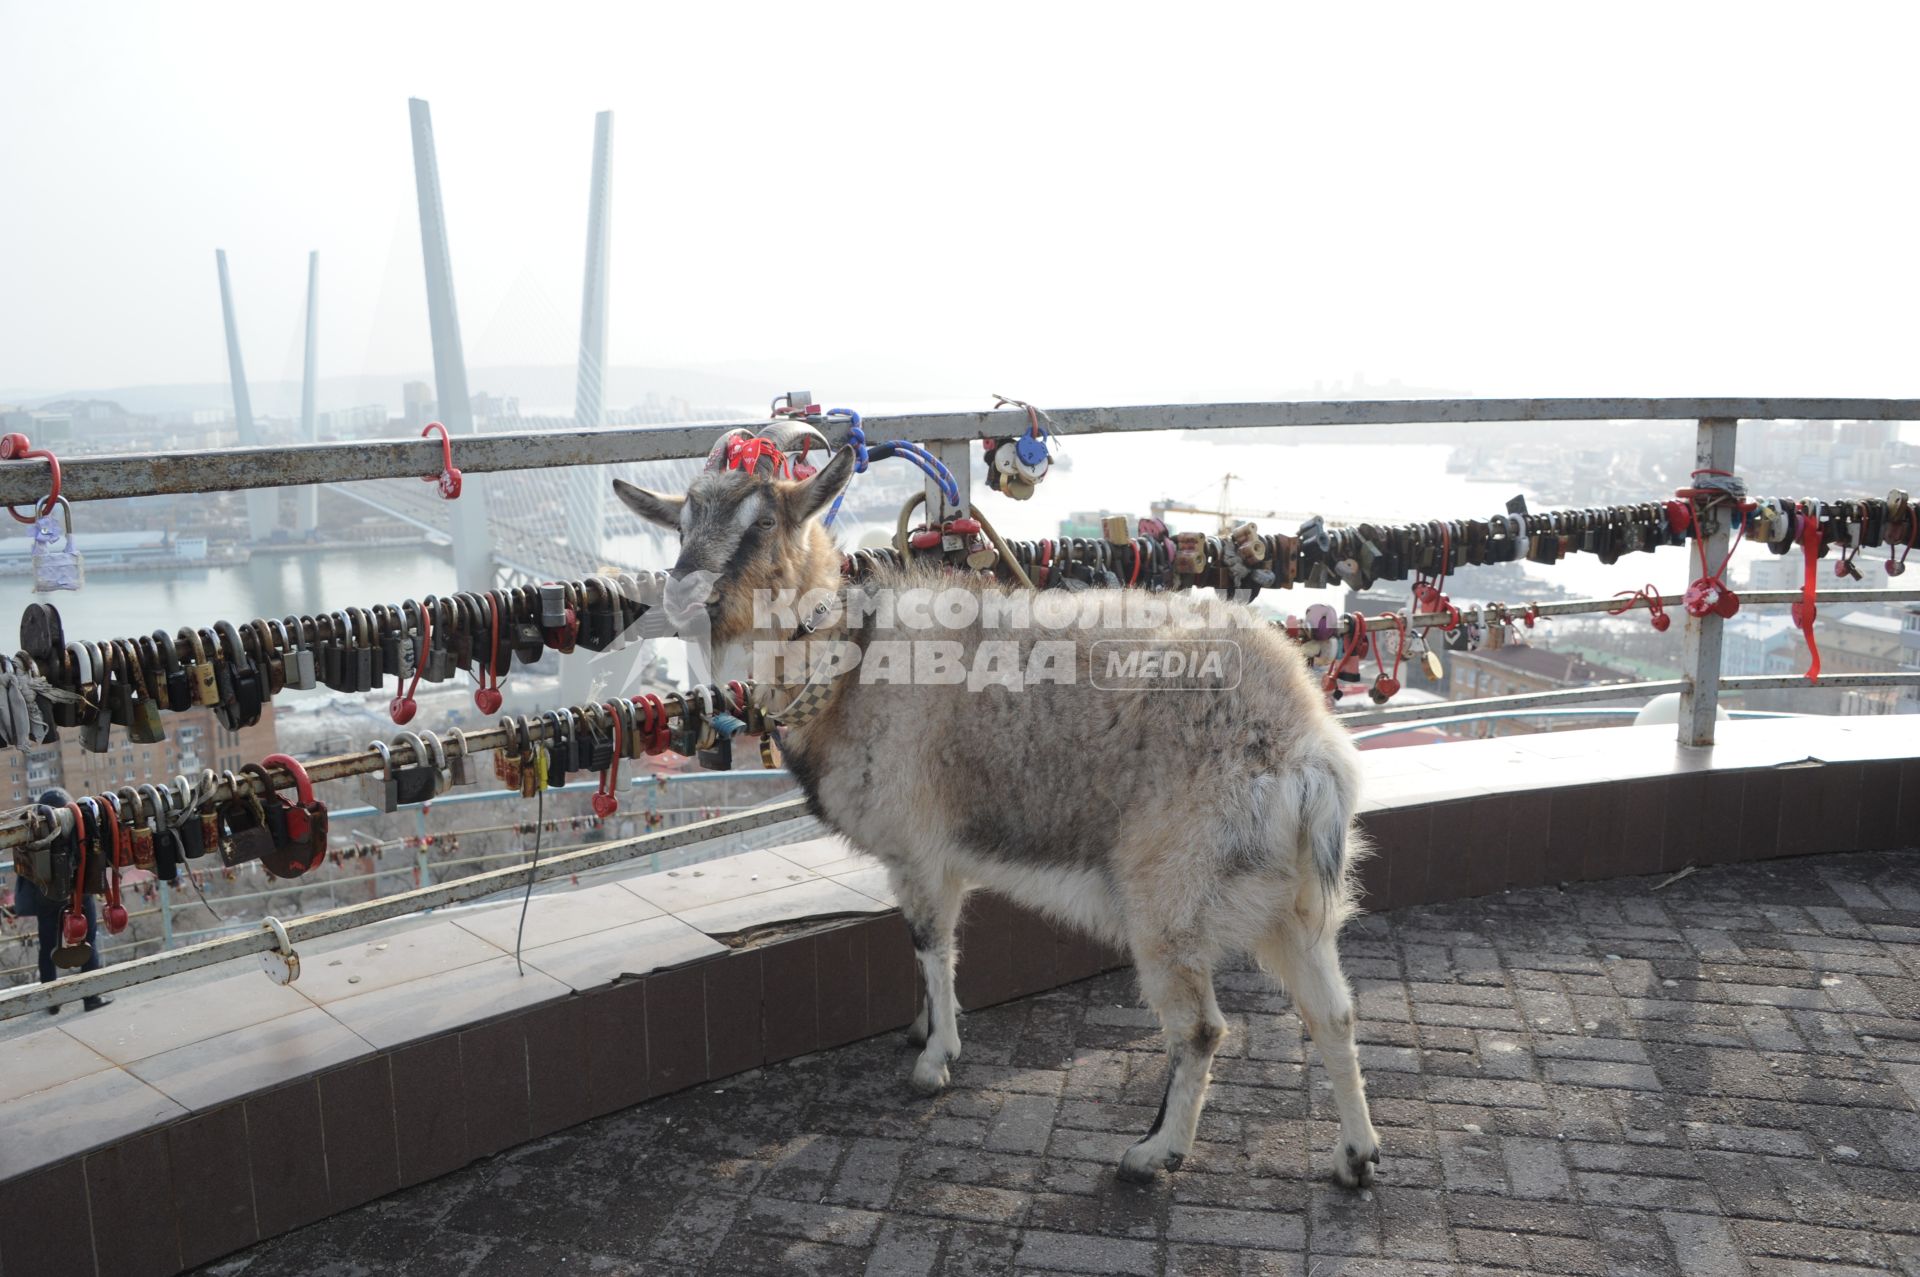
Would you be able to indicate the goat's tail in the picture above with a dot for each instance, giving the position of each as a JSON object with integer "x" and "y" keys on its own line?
{"x": 1330, "y": 847}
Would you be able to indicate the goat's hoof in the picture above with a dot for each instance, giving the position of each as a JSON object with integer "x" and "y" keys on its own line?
{"x": 930, "y": 1077}
{"x": 1139, "y": 1163}
{"x": 1354, "y": 1160}
{"x": 916, "y": 1034}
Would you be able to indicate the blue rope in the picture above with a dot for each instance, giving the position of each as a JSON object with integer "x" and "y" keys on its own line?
{"x": 857, "y": 440}
{"x": 929, "y": 464}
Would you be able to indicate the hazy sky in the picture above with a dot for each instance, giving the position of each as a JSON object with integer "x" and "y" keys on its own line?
{"x": 1083, "y": 203}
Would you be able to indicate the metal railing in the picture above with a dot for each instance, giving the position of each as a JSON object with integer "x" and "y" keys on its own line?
{"x": 34, "y": 997}
{"x": 296, "y": 465}
{"x": 950, "y": 436}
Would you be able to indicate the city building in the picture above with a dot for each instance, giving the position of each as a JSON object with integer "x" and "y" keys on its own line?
{"x": 417, "y": 403}
{"x": 195, "y": 740}
{"x": 1517, "y": 669}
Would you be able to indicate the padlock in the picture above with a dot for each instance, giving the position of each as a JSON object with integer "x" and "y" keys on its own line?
{"x": 296, "y": 637}
{"x": 305, "y": 820}
{"x": 448, "y": 478}
{"x": 714, "y": 751}
{"x": 329, "y": 663}
{"x": 42, "y": 636}
{"x": 533, "y": 771}
{"x": 267, "y": 657}
{"x": 436, "y": 618}
{"x": 395, "y": 644}
{"x": 564, "y": 637}
{"x": 684, "y": 728}
{"x": 75, "y": 948}
{"x": 96, "y": 720}
{"x": 1189, "y": 553}
{"x": 1249, "y": 545}
{"x": 381, "y": 789}
{"x": 212, "y": 835}
{"x": 559, "y": 747}
{"x": 599, "y": 626}
{"x": 138, "y": 829}
{"x": 925, "y": 538}
{"x": 369, "y": 662}
{"x": 249, "y": 684}
{"x": 415, "y": 782}
{"x": 1013, "y": 478}
{"x": 528, "y": 639}
{"x": 281, "y": 963}
{"x": 144, "y": 726}
{"x": 114, "y": 915}
{"x": 553, "y": 605}
{"x": 248, "y": 834}
{"x": 118, "y": 691}
{"x": 56, "y": 564}
{"x": 460, "y": 771}
{"x": 601, "y": 727}
{"x": 166, "y": 851}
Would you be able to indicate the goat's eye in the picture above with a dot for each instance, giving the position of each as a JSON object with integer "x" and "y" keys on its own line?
{"x": 765, "y": 523}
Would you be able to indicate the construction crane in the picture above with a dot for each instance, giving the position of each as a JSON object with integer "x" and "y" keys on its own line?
{"x": 1225, "y": 512}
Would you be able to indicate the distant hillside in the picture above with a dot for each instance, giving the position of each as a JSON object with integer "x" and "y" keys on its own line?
{"x": 746, "y": 386}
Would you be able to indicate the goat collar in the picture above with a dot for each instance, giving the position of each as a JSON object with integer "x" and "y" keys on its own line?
{"x": 813, "y": 695}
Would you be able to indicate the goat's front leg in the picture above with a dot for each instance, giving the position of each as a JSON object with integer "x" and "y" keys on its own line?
{"x": 930, "y": 900}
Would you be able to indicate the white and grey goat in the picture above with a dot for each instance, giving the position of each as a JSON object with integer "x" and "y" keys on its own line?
{"x": 1183, "y": 819}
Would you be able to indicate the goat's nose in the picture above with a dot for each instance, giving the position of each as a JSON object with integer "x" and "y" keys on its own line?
{"x": 685, "y": 595}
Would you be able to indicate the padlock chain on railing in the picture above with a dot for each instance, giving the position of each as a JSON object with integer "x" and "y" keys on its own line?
{"x": 72, "y": 988}
{"x": 19, "y": 826}
{"x": 609, "y": 612}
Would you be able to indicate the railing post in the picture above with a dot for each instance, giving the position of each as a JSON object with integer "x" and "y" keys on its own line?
{"x": 957, "y": 456}
{"x": 1700, "y": 650}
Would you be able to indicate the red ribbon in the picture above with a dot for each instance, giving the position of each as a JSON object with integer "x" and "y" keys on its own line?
{"x": 745, "y": 453}
{"x": 1805, "y": 611}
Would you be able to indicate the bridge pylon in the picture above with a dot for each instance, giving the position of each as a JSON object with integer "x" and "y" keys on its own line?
{"x": 472, "y": 534}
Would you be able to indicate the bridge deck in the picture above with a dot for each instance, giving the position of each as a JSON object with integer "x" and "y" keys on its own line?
{"x": 1717, "y": 1077}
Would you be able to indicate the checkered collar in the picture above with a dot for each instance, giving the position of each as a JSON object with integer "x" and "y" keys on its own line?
{"x": 813, "y": 695}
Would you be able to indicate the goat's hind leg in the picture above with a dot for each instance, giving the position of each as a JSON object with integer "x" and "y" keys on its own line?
{"x": 1180, "y": 990}
{"x": 931, "y": 904}
{"x": 1304, "y": 960}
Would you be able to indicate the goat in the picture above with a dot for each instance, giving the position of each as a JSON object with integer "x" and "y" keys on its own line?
{"x": 1181, "y": 821}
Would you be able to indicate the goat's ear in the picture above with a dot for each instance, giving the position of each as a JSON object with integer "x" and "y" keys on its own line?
{"x": 811, "y": 496}
{"x": 650, "y": 506}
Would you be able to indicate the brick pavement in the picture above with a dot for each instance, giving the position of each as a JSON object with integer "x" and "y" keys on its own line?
{"x": 1721, "y": 1077}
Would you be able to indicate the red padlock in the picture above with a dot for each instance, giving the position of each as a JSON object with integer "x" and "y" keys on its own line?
{"x": 1701, "y": 598}
{"x": 115, "y": 914}
{"x": 73, "y": 927}
{"x": 402, "y": 708}
{"x": 306, "y": 818}
{"x": 449, "y": 476}
{"x": 1727, "y": 604}
{"x": 487, "y": 697}
{"x": 924, "y": 538}
{"x": 606, "y": 798}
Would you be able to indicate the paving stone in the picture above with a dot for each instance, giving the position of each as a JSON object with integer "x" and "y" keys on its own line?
{"x": 1543, "y": 1108}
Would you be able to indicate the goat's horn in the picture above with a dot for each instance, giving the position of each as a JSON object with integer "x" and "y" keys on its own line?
{"x": 794, "y": 436}
{"x": 717, "y": 459}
